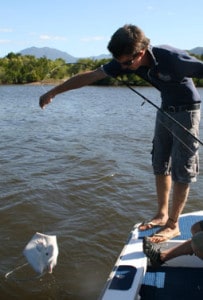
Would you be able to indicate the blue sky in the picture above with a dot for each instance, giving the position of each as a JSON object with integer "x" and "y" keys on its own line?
{"x": 83, "y": 27}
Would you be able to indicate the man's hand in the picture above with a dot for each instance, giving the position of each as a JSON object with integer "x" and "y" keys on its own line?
{"x": 44, "y": 100}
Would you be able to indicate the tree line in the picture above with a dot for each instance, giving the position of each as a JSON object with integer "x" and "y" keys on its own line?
{"x": 23, "y": 69}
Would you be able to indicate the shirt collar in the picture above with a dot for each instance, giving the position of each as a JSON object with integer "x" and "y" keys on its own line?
{"x": 150, "y": 50}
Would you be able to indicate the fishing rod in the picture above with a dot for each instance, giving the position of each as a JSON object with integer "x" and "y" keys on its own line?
{"x": 142, "y": 96}
{"x": 161, "y": 110}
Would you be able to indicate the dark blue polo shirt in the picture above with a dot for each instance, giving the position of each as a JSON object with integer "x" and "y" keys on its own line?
{"x": 171, "y": 73}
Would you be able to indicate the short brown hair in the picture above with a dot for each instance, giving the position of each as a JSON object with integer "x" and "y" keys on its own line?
{"x": 127, "y": 40}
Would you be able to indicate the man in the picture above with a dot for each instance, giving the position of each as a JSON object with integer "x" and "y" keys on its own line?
{"x": 189, "y": 247}
{"x": 175, "y": 153}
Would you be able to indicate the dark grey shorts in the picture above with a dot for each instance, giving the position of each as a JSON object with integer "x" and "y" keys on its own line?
{"x": 175, "y": 152}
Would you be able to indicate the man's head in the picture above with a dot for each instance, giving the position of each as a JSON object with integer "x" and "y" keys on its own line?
{"x": 128, "y": 40}
{"x": 197, "y": 244}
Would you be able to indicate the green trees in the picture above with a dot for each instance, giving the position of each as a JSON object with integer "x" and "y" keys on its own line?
{"x": 21, "y": 69}
{"x": 18, "y": 69}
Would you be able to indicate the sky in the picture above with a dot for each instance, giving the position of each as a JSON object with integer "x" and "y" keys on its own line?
{"x": 83, "y": 28}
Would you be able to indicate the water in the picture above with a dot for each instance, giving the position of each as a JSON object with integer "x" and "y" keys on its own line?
{"x": 80, "y": 169}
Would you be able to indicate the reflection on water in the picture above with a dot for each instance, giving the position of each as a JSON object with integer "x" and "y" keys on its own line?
{"x": 81, "y": 169}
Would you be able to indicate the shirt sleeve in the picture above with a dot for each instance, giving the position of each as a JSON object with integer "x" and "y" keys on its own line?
{"x": 113, "y": 68}
{"x": 188, "y": 66}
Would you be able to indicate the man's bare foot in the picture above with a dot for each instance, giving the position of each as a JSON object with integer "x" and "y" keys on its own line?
{"x": 169, "y": 231}
{"x": 155, "y": 222}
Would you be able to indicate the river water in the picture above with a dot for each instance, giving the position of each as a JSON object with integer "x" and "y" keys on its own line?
{"x": 80, "y": 169}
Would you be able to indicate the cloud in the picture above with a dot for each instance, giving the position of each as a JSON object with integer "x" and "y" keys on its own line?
{"x": 93, "y": 38}
{"x": 5, "y": 41}
{"x": 52, "y": 38}
{"x": 6, "y": 30}
{"x": 149, "y": 7}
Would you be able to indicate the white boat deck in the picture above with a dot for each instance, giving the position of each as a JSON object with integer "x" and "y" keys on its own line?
{"x": 132, "y": 278}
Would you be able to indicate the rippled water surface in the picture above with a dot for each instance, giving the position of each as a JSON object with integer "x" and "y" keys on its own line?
{"x": 80, "y": 169}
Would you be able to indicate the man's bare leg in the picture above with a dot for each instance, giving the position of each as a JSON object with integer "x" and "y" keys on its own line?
{"x": 158, "y": 257}
{"x": 171, "y": 229}
{"x": 163, "y": 187}
{"x": 182, "y": 249}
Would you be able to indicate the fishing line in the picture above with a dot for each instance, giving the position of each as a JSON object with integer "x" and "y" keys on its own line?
{"x": 48, "y": 75}
{"x": 163, "y": 112}
{"x": 10, "y": 275}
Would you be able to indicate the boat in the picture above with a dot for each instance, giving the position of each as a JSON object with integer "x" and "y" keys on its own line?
{"x": 133, "y": 278}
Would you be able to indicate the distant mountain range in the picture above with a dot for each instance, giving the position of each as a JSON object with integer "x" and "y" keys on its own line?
{"x": 49, "y": 53}
{"x": 196, "y": 51}
{"x": 53, "y": 54}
